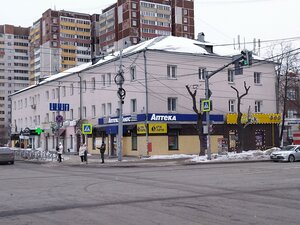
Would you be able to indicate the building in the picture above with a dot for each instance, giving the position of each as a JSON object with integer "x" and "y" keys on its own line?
{"x": 14, "y": 71}
{"x": 128, "y": 22}
{"x": 156, "y": 72}
{"x": 59, "y": 40}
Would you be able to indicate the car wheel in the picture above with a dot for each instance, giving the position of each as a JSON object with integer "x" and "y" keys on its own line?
{"x": 291, "y": 158}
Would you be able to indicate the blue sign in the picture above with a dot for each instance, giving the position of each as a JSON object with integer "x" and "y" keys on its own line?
{"x": 158, "y": 117}
{"x": 59, "y": 107}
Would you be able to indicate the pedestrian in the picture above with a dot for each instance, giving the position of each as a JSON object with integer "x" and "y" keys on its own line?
{"x": 81, "y": 153}
{"x": 85, "y": 153}
{"x": 102, "y": 150}
{"x": 60, "y": 150}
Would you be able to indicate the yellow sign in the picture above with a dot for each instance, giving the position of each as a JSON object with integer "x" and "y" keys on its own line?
{"x": 154, "y": 128}
{"x": 255, "y": 118}
{"x": 141, "y": 129}
{"x": 158, "y": 128}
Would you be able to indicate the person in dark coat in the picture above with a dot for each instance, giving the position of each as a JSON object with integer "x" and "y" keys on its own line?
{"x": 102, "y": 150}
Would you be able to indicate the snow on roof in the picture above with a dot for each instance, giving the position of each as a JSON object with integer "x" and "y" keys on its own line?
{"x": 162, "y": 43}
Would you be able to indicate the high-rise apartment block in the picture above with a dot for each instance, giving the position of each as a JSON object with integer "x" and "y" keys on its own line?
{"x": 129, "y": 22}
{"x": 14, "y": 70}
{"x": 59, "y": 40}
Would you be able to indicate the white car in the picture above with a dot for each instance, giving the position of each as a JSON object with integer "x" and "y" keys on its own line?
{"x": 289, "y": 153}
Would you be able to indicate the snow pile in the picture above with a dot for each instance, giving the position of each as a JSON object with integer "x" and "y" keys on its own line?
{"x": 250, "y": 155}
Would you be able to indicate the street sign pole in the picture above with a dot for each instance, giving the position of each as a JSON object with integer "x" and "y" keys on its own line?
{"x": 207, "y": 117}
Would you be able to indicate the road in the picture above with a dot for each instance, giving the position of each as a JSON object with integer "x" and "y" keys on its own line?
{"x": 202, "y": 194}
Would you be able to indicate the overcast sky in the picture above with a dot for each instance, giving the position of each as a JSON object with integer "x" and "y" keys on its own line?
{"x": 220, "y": 20}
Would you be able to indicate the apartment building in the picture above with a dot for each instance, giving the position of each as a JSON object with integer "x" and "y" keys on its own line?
{"x": 128, "y": 22}
{"x": 14, "y": 72}
{"x": 59, "y": 40}
{"x": 156, "y": 73}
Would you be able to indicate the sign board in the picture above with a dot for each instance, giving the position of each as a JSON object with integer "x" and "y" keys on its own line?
{"x": 255, "y": 118}
{"x": 59, "y": 107}
{"x": 87, "y": 128}
{"x": 158, "y": 128}
{"x": 205, "y": 105}
{"x": 154, "y": 128}
{"x": 59, "y": 119}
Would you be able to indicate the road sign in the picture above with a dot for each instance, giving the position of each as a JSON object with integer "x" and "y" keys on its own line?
{"x": 59, "y": 119}
{"x": 87, "y": 128}
{"x": 39, "y": 130}
{"x": 205, "y": 105}
{"x": 59, "y": 107}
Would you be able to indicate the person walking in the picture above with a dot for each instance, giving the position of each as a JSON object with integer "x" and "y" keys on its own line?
{"x": 60, "y": 151}
{"x": 85, "y": 153}
{"x": 102, "y": 150}
{"x": 81, "y": 153}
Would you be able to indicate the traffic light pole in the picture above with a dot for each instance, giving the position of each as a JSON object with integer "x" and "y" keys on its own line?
{"x": 207, "y": 96}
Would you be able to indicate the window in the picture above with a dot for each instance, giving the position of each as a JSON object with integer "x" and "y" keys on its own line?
{"x": 258, "y": 106}
{"x": 84, "y": 86}
{"x": 185, "y": 12}
{"x": 291, "y": 94}
{"x": 71, "y": 114}
{"x": 202, "y": 73}
{"x": 291, "y": 114}
{"x": 133, "y": 105}
{"x": 230, "y": 76}
{"x": 185, "y": 20}
{"x": 172, "y": 104}
{"x": 47, "y": 95}
{"x": 53, "y": 93}
{"x": 171, "y": 70}
{"x": 103, "y": 80}
{"x": 103, "y": 107}
{"x": 173, "y": 140}
{"x": 133, "y": 141}
{"x": 134, "y": 23}
{"x": 93, "y": 111}
{"x": 93, "y": 83}
{"x": 134, "y": 14}
{"x": 109, "y": 108}
{"x": 64, "y": 91}
{"x": 133, "y": 73}
{"x": 257, "y": 78}
{"x": 231, "y": 106}
{"x": 109, "y": 79}
{"x": 84, "y": 112}
{"x": 71, "y": 89}
{"x": 134, "y": 5}
{"x": 185, "y": 28}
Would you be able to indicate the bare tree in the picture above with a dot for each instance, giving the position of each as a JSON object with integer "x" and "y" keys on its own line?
{"x": 240, "y": 125}
{"x": 287, "y": 64}
{"x": 202, "y": 137}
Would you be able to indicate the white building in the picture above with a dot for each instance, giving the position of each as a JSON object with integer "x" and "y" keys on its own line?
{"x": 156, "y": 74}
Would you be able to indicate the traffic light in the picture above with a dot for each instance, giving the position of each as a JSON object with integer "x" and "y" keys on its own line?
{"x": 246, "y": 58}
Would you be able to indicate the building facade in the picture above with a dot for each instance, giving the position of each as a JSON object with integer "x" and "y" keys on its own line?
{"x": 59, "y": 40}
{"x": 14, "y": 72}
{"x": 156, "y": 73}
{"x": 129, "y": 22}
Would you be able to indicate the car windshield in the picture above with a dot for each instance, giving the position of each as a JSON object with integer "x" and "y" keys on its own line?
{"x": 288, "y": 148}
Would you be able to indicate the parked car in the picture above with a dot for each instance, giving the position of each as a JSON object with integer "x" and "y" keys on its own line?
{"x": 289, "y": 153}
{"x": 7, "y": 155}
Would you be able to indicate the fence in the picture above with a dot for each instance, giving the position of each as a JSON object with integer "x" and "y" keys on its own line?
{"x": 25, "y": 154}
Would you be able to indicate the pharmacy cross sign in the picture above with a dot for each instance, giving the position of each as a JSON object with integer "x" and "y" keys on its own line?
{"x": 39, "y": 130}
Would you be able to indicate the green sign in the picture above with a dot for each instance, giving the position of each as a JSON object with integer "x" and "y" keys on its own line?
{"x": 87, "y": 128}
{"x": 39, "y": 131}
{"x": 205, "y": 105}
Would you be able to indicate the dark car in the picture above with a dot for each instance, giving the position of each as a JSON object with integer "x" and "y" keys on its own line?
{"x": 7, "y": 155}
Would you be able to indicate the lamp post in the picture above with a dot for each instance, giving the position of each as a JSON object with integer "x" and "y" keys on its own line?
{"x": 119, "y": 80}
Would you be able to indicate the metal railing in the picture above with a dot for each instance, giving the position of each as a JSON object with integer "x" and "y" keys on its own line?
{"x": 29, "y": 154}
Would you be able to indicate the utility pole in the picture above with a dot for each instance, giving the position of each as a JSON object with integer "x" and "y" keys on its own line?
{"x": 119, "y": 80}
{"x": 147, "y": 109}
{"x": 246, "y": 55}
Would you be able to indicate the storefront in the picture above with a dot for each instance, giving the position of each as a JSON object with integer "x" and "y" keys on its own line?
{"x": 167, "y": 133}
{"x": 260, "y": 129}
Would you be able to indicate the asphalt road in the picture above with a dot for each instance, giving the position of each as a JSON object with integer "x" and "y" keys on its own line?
{"x": 241, "y": 193}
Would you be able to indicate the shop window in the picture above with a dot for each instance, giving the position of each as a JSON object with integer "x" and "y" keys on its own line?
{"x": 173, "y": 140}
{"x": 259, "y": 138}
{"x": 133, "y": 141}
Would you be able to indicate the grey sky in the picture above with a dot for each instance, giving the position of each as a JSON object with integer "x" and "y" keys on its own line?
{"x": 220, "y": 20}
